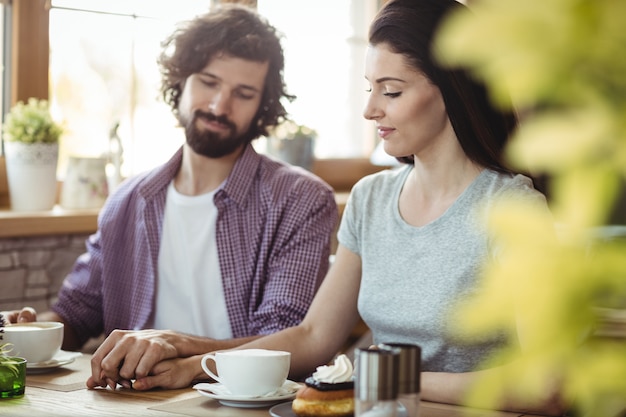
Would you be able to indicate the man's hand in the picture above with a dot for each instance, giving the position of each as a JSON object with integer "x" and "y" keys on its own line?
{"x": 127, "y": 355}
{"x": 27, "y": 314}
{"x": 169, "y": 374}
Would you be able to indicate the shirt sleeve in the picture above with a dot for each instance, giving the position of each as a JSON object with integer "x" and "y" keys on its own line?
{"x": 347, "y": 233}
{"x": 298, "y": 261}
{"x": 80, "y": 297}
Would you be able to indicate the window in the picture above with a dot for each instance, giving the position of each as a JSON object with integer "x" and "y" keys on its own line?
{"x": 103, "y": 72}
{"x": 325, "y": 42}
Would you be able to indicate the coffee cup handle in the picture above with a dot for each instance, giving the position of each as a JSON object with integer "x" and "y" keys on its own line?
{"x": 206, "y": 369}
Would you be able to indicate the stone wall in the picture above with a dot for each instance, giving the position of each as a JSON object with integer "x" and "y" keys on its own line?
{"x": 33, "y": 268}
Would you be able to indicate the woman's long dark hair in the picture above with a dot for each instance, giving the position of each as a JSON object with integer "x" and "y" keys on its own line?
{"x": 233, "y": 30}
{"x": 408, "y": 27}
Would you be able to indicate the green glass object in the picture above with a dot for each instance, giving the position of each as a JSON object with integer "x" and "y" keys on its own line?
{"x": 12, "y": 377}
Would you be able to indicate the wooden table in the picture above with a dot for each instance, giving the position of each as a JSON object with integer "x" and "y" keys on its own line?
{"x": 61, "y": 393}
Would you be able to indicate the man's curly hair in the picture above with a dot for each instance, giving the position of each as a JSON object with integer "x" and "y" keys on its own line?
{"x": 236, "y": 31}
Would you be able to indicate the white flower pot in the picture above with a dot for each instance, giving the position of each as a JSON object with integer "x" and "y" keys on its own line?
{"x": 31, "y": 174}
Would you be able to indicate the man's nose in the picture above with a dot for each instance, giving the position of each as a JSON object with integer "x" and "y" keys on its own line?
{"x": 220, "y": 104}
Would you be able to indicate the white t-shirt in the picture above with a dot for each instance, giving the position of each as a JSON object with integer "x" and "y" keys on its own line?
{"x": 190, "y": 295}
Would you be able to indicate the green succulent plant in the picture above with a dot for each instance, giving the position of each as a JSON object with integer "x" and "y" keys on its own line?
{"x": 6, "y": 361}
{"x": 31, "y": 122}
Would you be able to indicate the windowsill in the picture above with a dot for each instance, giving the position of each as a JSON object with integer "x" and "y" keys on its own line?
{"x": 64, "y": 221}
{"x": 341, "y": 174}
{"x": 52, "y": 222}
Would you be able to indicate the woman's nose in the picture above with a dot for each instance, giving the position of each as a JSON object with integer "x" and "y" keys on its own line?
{"x": 371, "y": 110}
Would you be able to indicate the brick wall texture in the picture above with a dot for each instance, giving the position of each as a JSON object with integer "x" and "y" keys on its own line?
{"x": 33, "y": 268}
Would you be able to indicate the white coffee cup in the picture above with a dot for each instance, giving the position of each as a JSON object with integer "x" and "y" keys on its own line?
{"x": 37, "y": 341}
{"x": 249, "y": 372}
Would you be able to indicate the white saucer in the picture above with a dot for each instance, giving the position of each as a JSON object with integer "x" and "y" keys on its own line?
{"x": 60, "y": 359}
{"x": 288, "y": 392}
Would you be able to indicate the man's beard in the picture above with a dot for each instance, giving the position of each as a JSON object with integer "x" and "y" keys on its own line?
{"x": 209, "y": 143}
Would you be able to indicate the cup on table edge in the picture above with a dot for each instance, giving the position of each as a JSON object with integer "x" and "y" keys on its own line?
{"x": 249, "y": 372}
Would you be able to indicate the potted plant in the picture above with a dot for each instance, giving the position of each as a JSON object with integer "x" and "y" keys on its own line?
{"x": 31, "y": 148}
{"x": 293, "y": 143}
{"x": 12, "y": 370}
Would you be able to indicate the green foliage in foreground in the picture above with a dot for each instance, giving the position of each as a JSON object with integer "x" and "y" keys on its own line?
{"x": 562, "y": 64}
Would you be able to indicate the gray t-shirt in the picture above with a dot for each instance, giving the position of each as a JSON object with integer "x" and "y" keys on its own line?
{"x": 412, "y": 276}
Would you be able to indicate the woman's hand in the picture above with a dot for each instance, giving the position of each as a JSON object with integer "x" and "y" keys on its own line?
{"x": 172, "y": 374}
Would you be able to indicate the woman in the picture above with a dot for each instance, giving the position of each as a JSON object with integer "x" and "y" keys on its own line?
{"x": 411, "y": 242}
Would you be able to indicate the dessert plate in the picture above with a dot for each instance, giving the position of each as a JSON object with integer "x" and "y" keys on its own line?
{"x": 216, "y": 391}
{"x": 284, "y": 410}
{"x": 60, "y": 359}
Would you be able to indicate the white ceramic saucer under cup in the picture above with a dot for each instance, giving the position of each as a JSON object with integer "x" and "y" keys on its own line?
{"x": 60, "y": 359}
{"x": 218, "y": 392}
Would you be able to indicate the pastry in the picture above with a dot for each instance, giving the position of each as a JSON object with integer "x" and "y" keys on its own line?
{"x": 329, "y": 392}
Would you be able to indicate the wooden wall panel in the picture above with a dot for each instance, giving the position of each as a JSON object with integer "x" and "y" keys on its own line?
{"x": 4, "y": 188}
{"x": 30, "y": 50}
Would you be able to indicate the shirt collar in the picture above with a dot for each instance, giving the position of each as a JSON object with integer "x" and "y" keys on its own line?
{"x": 236, "y": 187}
{"x": 242, "y": 177}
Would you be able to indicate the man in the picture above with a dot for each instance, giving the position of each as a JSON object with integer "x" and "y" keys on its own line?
{"x": 219, "y": 242}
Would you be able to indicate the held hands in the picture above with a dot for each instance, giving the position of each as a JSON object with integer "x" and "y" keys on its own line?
{"x": 172, "y": 374}
{"x": 168, "y": 374}
{"x": 126, "y": 355}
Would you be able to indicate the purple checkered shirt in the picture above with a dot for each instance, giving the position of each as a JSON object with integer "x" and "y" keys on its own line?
{"x": 273, "y": 238}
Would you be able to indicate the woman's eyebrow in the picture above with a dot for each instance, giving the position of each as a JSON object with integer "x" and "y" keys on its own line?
{"x": 385, "y": 79}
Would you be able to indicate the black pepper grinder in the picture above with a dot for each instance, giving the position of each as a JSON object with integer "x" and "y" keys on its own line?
{"x": 409, "y": 376}
{"x": 376, "y": 382}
